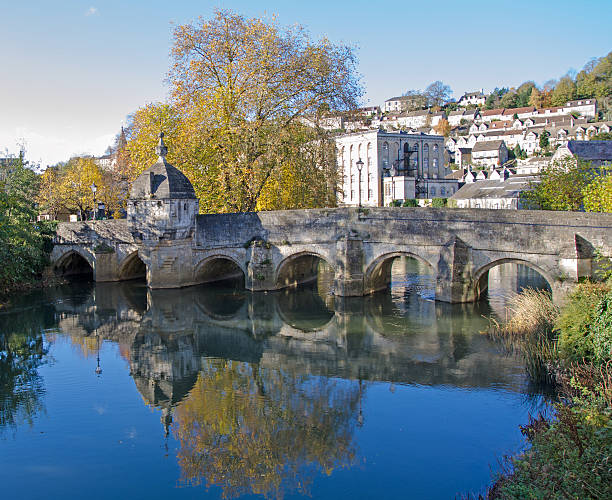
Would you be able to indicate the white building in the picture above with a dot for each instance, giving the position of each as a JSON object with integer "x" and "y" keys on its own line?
{"x": 475, "y": 98}
{"x": 416, "y": 160}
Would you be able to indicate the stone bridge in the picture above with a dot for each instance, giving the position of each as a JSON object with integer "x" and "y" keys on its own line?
{"x": 274, "y": 250}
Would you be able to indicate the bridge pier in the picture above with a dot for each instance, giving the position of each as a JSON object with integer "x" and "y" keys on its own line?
{"x": 348, "y": 281}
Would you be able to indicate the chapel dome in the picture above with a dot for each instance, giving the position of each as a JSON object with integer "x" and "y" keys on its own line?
{"x": 162, "y": 180}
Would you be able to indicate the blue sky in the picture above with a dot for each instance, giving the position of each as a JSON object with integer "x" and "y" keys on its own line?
{"x": 73, "y": 70}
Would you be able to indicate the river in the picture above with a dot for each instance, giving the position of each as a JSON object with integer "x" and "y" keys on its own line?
{"x": 117, "y": 391}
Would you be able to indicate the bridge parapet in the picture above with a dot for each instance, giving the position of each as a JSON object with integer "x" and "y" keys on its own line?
{"x": 278, "y": 249}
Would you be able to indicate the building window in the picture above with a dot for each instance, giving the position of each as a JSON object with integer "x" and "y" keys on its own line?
{"x": 432, "y": 191}
{"x": 370, "y": 194}
{"x": 442, "y": 191}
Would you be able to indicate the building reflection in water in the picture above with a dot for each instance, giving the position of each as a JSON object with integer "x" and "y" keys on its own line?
{"x": 263, "y": 390}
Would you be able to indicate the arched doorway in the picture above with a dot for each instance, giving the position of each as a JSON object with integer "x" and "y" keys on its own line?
{"x": 219, "y": 269}
{"x": 75, "y": 267}
{"x": 305, "y": 269}
{"x": 133, "y": 268}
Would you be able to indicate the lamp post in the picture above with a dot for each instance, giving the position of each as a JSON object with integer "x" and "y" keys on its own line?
{"x": 359, "y": 167}
{"x": 94, "y": 188}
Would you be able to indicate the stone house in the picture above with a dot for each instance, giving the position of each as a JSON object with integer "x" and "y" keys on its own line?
{"x": 473, "y": 98}
{"x": 488, "y": 153}
{"x": 396, "y": 154}
{"x": 463, "y": 157}
{"x": 402, "y": 103}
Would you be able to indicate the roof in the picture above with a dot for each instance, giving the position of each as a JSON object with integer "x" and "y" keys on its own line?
{"x": 495, "y": 188}
{"x": 456, "y": 174}
{"x": 162, "y": 180}
{"x": 464, "y": 151}
{"x": 591, "y": 150}
{"x": 491, "y": 112}
{"x": 473, "y": 94}
{"x": 513, "y": 111}
{"x": 487, "y": 145}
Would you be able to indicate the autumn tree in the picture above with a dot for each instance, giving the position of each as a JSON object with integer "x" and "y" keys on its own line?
{"x": 564, "y": 91}
{"x": 49, "y": 198}
{"x": 443, "y": 127}
{"x": 598, "y": 193}
{"x": 241, "y": 89}
{"x": 536, "y": 99}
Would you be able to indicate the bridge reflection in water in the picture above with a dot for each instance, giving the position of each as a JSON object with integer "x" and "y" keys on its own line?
{"x": 264, "y": 390}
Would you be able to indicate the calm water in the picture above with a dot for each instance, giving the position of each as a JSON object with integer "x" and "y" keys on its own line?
{"x": 116, "y": 391}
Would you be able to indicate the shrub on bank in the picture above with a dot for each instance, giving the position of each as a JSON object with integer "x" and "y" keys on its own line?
{"x": 580, "y": 326}
{"x": 570, "y": 454}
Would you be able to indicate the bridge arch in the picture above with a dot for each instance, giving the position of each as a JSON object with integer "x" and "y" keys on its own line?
{"x": 132, "y": 267}
{"x": 75, "y": 262}
{"x": 481, "y": 276}
{"x": 298, "y": 268}
{"x": 218, "y": 267}
{"x": 378, "y": 273}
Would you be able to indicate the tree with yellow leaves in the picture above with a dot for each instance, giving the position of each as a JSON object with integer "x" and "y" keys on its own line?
{"x": 598, "y": 194}
{"x": 443, "y": 127}
{"x": 241, "y": 89}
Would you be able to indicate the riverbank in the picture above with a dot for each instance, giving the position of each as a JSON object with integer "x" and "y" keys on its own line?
{"x": 48, "y": 279}
{"x": 569, "y": 348}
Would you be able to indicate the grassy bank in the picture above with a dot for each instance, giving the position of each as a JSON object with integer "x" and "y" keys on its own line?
{"x": 570, "y": 453}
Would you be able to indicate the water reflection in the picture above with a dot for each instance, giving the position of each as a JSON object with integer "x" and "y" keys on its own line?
{"x": 261, "y": 391}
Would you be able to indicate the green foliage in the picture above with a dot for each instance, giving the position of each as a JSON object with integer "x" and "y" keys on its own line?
{"x": 561, "y": 186}
{"x": 544, "y": 142}
{"x": 494, "y": 98}
{"x": 439, "y": 202}
{"x": 569, "y": 458}
{"x": 24, "y": 243}
{"x": 602, "y": 136}
{"x": 410, "y": 202}
{"x": 601, "y": 330}
{"x": 575, "y": 324}
{"x": 395, "y": 203}
{"x": 595, "y": 80}
{"x": 519, "y": 153}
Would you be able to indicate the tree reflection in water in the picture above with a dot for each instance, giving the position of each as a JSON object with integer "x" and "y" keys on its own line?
{"x": 22, "y": 352}
{"x": 261, "y": 431}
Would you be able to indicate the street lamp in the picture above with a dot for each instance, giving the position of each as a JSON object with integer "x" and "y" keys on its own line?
{"x": 94, "y": 188}
{"x": 359, "y": 167}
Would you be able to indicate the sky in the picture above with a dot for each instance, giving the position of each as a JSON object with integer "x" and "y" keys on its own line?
{"x": 72, "y": 71}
